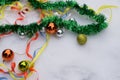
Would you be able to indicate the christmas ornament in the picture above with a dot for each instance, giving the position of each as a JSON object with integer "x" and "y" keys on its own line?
{"x": 23, "y": 65}
{"x": 7, "y": 55}
{"x": 51, "y": 28}
{"x": 82, "y": 39}
{"x": 59, "y": 33}
{"x": 52, "y": 22}
{"x": 22, "y": 35}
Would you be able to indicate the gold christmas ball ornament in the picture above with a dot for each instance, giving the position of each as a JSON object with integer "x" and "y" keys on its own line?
{"x": 51, "y": 28}
{"x": 82, "y": 39}
{"x": 7, "y": 55}
{"x": 23, "y": 65}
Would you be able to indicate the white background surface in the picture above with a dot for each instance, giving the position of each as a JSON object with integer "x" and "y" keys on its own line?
{"x": 64, "y": 59}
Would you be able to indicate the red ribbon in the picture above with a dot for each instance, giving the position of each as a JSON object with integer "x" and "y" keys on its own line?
{"x": 1, "y": 35}
{"x": 28, "y": 45}
{"x": 41, "y": 16}
{"x": 13, "y": 66}
{"x": 2, "y": 71}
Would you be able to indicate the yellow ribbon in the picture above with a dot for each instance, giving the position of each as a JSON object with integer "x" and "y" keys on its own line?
{"x": 40, "y": 51}
{"x": 62, "y": 13}
{"x": 107, "y": 7}
{"x": 2, "y": 65}
{"x": 11, "y": 74}
{"x": 47, "y": 13}
{"x": 20, "y": 6}
{"x": 33, "y": 61}
{"x": 42, "y": 1}
{"x": 2, "y": 8}
{"x": 50, "y": 13}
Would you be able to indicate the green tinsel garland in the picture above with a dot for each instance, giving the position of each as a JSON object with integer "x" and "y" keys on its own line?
{"x": 82, "y": 10}
{"x": 71, "y": 25}
{"x": 6, "y": 2}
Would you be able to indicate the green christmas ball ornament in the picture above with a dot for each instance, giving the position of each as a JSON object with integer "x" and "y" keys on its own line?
{"x": 82, "y": 39}
{"x": 23, "y": 66}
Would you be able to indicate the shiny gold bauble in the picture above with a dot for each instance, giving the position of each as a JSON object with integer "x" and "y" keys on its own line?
{"x": 7, "y": 55}
{"x": 51, "y": 28}
{"x": 82, "y": 39}
{"x": 23, "y": 65}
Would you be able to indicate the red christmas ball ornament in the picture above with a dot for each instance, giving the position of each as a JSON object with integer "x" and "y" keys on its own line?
{"x": 7, "y": 55}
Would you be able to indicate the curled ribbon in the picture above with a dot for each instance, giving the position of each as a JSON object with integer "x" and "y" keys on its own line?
{"x": 42, "y": 1}
{"x": 13, "y": 74}
{"x": 2, "y": 35}
{"x": 3, "y": 78}
{"x": 22, "y": 14}
{"x": 16, "y": 6}
{"x": 2, "y": 8}
{"x": 107, "y": 7}
{"x": 40, "y": 51}
{"x": 28, "y": 45}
